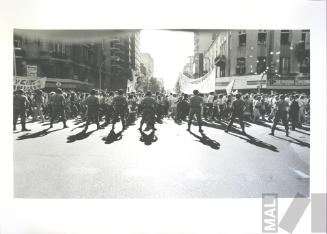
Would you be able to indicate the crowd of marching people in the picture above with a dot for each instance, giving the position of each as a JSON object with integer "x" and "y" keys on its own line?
{"x": 112, "y": 106}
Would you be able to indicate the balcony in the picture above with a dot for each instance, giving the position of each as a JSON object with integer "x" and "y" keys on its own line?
{"x": 115, "y": 48}
{"x": 116, "y": 59}
{"x": 117, "y": 51}
{"x": 115, "y": 39}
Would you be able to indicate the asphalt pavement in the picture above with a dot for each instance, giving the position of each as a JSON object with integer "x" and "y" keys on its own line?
{"x": 168, "y": 163}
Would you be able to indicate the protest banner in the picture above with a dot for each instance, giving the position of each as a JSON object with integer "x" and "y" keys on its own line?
{"x": 28, "y": 83}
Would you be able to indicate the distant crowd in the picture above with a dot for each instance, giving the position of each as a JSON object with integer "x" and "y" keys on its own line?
{"x": 97, "y": 106}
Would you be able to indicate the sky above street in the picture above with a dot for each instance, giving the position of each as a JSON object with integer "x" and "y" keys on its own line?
{"x": 169, "y": 50}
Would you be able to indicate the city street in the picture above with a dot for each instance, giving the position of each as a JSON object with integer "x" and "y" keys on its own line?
{"x": 65, "y": 163}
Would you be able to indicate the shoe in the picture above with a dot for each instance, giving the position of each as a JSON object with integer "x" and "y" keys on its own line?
{"x": 243, "y": 132}
{"x": 287, "y": 134}
{"x": 272, "y": 134}
{"x": 200, "y": 130}
{"x": 25, "y": 130}
{"x": 188, "y": 129}
{"x": 51, "y": 126}
{"x": 15, "y": 129}
{"x": 65, "y": 126}
{"x": 226, "y": 131}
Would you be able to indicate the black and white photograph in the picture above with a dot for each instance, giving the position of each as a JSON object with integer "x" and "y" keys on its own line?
{"x": 182, "y": 113}
{"x": 163, "y": 117}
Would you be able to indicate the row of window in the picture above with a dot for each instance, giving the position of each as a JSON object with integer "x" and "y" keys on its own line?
{"x": 284, "y": 65}
{"x": 285, "y": 37}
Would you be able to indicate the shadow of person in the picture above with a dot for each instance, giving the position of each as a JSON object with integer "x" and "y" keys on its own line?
{"x": 41, "y": 133}
{"x": 254, "y": 141}
{"x": 264, "y": 124}
{"x": 79, "y": 136}
{"x": 77, "y": 122}
{"x": 304, "y": 128}
{"x": 148, "y": 139}
{"x": 81, "y": 126}
{"x": 295, "y": 141}
{"x": 112, "y": 137}
{"x": 305, "y": 133}
{"x": 206, "y": 140}
{"x": 105, "y": 124}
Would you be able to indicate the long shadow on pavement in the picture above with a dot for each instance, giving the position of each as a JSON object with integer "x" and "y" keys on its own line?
{"x": 263, "y": 124}
{"x": 305, "y": 128}
{"x": 207, "y": 141}
{"x": 41, "y": 133}
{"x": 295, "y": 141}
{"x": 305, "y": 133}
{"x": 148, "y": 139}
{"x": 81, "y": 126}
{"x": 254, "y": 141}
{"x": 79, "y": 136}
{"x": 222, "y": 125}
{"x": 112, "y": 137}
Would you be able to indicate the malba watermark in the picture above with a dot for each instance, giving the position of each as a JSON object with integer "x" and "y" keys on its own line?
{"x": 294, "y": 213}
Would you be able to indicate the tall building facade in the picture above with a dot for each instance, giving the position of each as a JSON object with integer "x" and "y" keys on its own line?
{"x": 147, "y": 61}
{"x": 187, "y": 70}
{"x": 282, "y": 55}
{"x": 147, "y": 71}
{"x": 202, "y": 40}
{"x": 101, "y": 59}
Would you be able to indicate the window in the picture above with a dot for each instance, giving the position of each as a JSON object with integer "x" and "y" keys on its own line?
{"x": 304, "y": 35}
{"x": 284, "y": 66}
{"x": 242, "y": 38}
{"x": 285, "y": 37}
{"x": 261, "y": 64}
{"x": 222, "y": 70}
{"x": 17, "y": 43}
{"x": 240, "y": 66}
{"x": 262, "y": 37}
{"x": 57, "y": 49}
{"x": 85, "y": 54}
{"x": 305, "y": 65}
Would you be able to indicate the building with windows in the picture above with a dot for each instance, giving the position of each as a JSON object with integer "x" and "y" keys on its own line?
{"x": 187, "y": 70}
{"x": 270, "y": 59}
{"x": 79, "y": 59}
{"x": 202, "y": 40}
{"x": 147, "y": 71}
